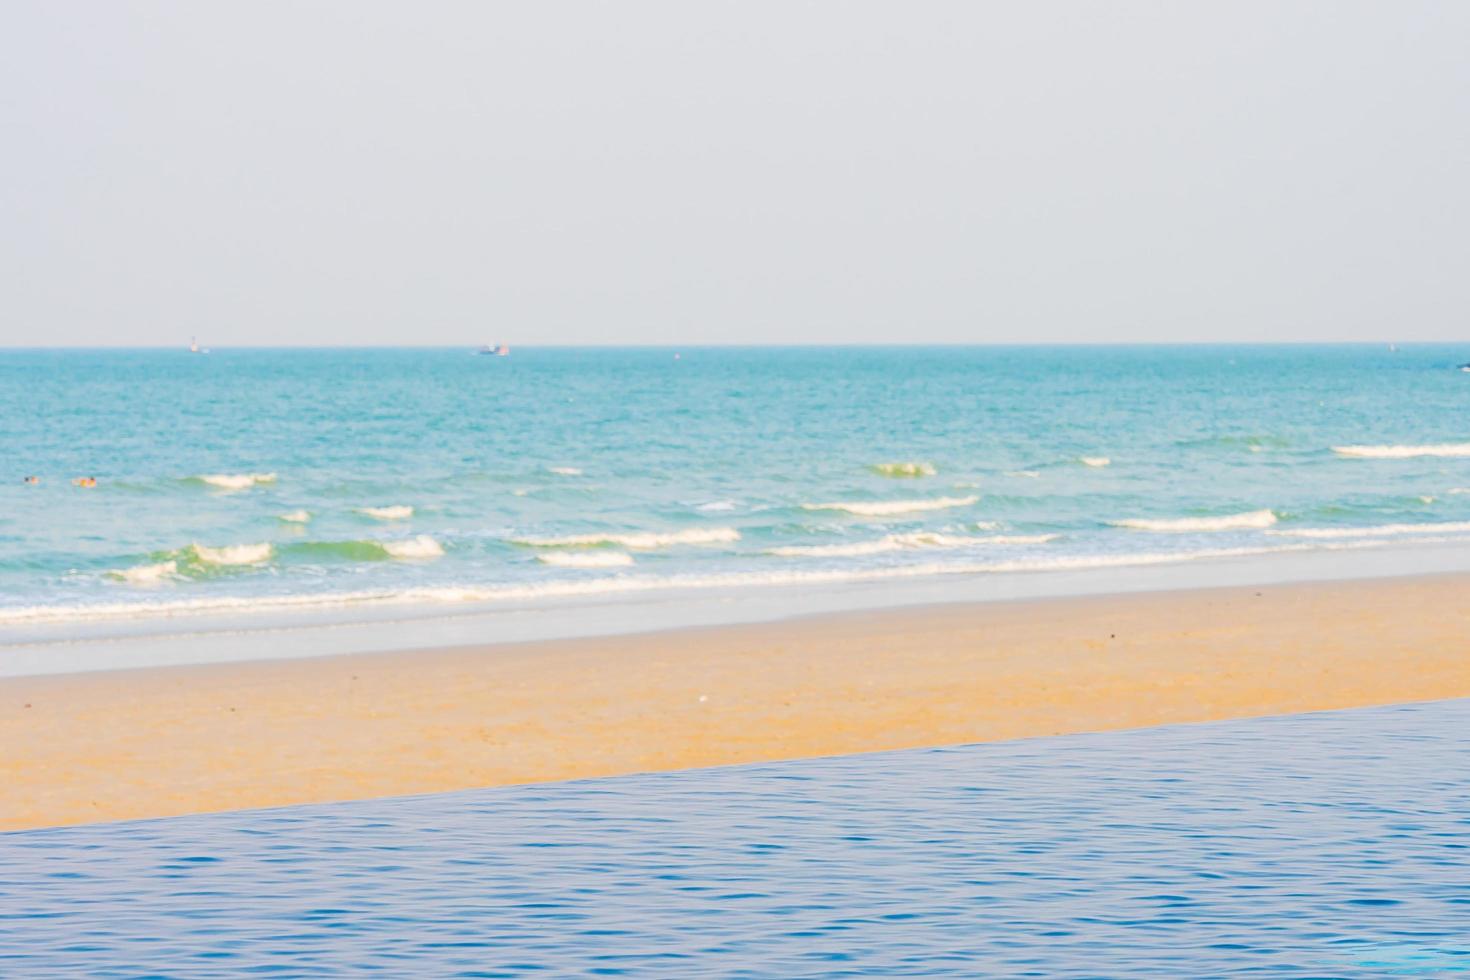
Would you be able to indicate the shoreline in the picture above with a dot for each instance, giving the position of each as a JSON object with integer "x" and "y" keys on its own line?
{"x": 168, "y": 740}
{"x": 84, "y": 646}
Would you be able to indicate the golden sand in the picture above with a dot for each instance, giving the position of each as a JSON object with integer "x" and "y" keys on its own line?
{"x": 163, "y": 741}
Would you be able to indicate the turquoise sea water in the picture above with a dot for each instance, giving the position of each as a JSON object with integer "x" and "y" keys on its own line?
{"x": 253, "y": 481}
{"x": 1325, "y": 845}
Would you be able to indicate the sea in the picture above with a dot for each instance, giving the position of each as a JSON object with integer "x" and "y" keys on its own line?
{"x": 1325, "y": 845}
{"x": 248, "y": 486}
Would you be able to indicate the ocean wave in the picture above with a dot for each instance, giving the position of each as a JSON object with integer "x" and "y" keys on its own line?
{"x": 904, "y": 542}
{"x": 564, "y": 470}
{"x": 150, "y": 574}
{"x": 569, "y": 588}
{"x": 884, "y": 508}
{"x": 394, "y": 512}
{"x": 420, "y": 547}
{"x": 1229, "y": 522}
{"x": 1095, "y": 461}
{"x": 234, "y": 554}
{"x": 586, "y": 559}
{"x": 1404, "y": 452}
{"x": 640, "y": 540}
{"x": 234, "y": 481}
{"x": 904, "y": 469}
{"x": 1024, "y": 474}
{"x": 716, "y": 506}
{"x": 1375, "y": 531}
{"x": 1458, "y": 490}
{"x": 294, "y": 517}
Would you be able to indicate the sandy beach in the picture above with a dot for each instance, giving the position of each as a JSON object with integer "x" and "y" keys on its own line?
{"x": 165, "y": 741}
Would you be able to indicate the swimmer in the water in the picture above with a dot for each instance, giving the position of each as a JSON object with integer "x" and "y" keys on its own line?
{"x": 33, "y": 479}
{"x": 85, "y": 481}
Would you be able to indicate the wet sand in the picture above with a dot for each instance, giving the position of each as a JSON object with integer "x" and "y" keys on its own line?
{"x": 163, "y": 741}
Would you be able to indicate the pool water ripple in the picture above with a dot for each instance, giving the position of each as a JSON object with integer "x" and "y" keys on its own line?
{"x": 1321, "y": 845}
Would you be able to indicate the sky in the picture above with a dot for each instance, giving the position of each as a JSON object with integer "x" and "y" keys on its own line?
{"x": 750, "y": 172}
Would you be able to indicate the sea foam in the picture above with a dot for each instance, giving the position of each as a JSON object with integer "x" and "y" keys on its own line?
{"x": 295, "y": 517}
{"x": 236, "y": 481}
{"x": 395, "y": 512}
{"x": 420, "y": 547}
{"x": 567, "y": 588}
{"x": 884, "y": 508}
{"x": 1096, "y": 461}
{"x": 1229, "y": 522}
{"x": 641, "y": 540}
{"x": 564, "y": 470}
{"x": 1376, "y": 531}
{"x": 147, "y": 574}
{"x": 904, "y": 542}
{"x": 1404, "y": 452}
{"x": 234, "y": 554}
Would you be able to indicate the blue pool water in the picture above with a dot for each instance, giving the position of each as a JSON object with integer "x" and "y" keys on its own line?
{"x": 255, "y": 481}
{"x": 1321, "y": 845}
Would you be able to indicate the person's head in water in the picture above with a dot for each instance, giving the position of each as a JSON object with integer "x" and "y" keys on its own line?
{"x": 33, "y": 479}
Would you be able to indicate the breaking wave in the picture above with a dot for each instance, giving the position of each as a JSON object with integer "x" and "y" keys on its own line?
{"x": 396, "y": 512}
{"x": 1229, "y": 522}
{"x": 884, "y": 508}
{"x": 1404, "y": 452}
{"x": 565, "y": 588}
{"x": 294, "y": 517}
{"x": 1378, "y": 531}
{"x": 422, "y": 546}
{"x": 564, "y": 470}
{"x": 641, "y": 540}
{"x": 234, "y": 481}
{"x": 234, "y": 554}
{"x": 1095, "y": 461}
{"x": 146, "y": 574}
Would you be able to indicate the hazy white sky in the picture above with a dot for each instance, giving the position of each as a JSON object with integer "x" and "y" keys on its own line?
{"x": 709, "y": 172}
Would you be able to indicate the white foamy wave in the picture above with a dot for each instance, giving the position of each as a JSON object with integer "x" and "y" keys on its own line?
{"x": 1024, "y": 474}
{"x": 884, "y": 508}
{"x": 641, "y": 540}
{"x": 715, "y": 506}
{"x": 295, "y": 517}
{"x": 1095, "y": 461}
{"x": 564, "y": 588}
{"x": 1177, "y": 525}
{"x": 904, "y": 469}
{"x": 236, "y": 481}
{"x": 147, "y": 574}
{"x": 586, "y": 559}
{"x": 1404, "y": 452}
{"x": 396, "y": 512}
{"x": 564, "y": 470}
{"x": 904, "y": 542}
{"x": 1377, "y": 531}
{"x": 234, "y": 554}
{"x": 422, "y": 546}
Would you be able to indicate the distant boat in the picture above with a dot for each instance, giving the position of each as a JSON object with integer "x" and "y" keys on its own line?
{"x": 194, "y": 347}
{"x": 496, "y": 350}
{"x": 1465, "y": 367}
